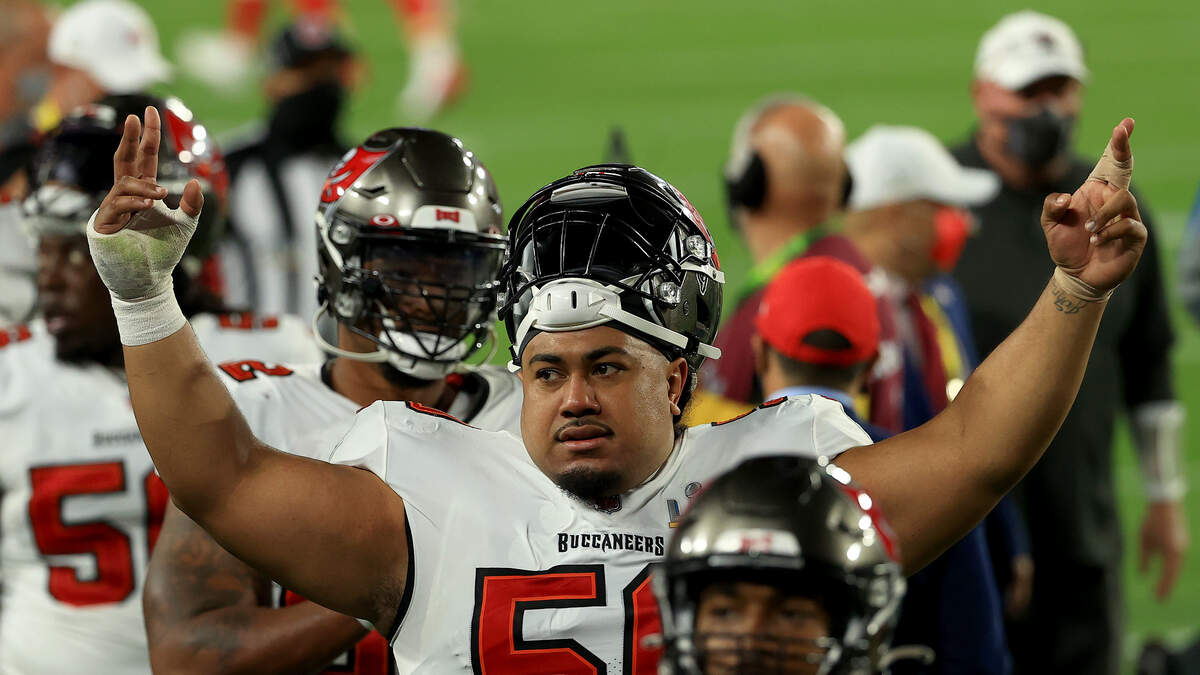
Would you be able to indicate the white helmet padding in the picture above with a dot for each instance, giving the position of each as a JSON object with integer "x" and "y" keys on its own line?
{"x": 576, "y": 304}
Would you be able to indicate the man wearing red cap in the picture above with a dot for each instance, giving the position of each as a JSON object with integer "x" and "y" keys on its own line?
{"x": 818, "y": 333}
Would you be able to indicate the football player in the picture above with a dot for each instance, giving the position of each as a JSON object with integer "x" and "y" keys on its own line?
{"x": 410, "y": 245}
{"x": 533, "y": 554}
{"x": 81, "y": 504}
{"x": 437, "y": 74}
{"x": 779, "y": 566}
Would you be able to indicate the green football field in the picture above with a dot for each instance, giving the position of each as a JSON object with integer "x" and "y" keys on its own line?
{"x": 549, "y": 79}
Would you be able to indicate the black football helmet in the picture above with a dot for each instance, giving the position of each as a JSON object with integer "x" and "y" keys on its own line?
{"x": 613, "y": 242}
{"x": 73, "y": 169}
{"x": 410, "y": 241}
{"x": 793, "y": 523}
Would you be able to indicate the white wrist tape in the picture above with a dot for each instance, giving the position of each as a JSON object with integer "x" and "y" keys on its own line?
{"x": 1157, "y": 430}
{"x": 1079, "y": 289}
{"x": 135, "y": 264}
{"x": 144, "y": 321}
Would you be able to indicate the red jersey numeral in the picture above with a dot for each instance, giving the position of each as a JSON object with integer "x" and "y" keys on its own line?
{"x": 156, "y": 506}
{"x": 641, "y": 621}
{"x": 247, "y": 321}
{"x": 370, "y": 656}
{"x": 242, "y": 371}
{"x": 502, "y": 596}
{"x": 19, "y": 334}
{"x": 114, "y": 580}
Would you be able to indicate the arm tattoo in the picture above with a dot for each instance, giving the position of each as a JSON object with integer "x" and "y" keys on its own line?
{"x": 195, "y": 576}
{"x": 1064, "y": 302}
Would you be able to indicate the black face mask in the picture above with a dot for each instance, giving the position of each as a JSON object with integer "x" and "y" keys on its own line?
{"x": 308, "y": 118}
{"x": 1039, "y": 139}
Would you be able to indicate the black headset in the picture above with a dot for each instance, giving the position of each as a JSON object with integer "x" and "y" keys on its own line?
{"x": 744, "y": 174}
{"x": 746, "y": 186}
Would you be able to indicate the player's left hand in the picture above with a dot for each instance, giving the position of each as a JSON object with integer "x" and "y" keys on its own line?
{"x": 1096, "y": 234}
{"x": 1164, "y": 534}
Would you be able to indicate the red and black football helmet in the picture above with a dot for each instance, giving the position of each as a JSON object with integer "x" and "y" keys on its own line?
{"x": 613, "y": 243}
{"x": 410, "y": 241}
{"x": 797, "y": 524}
{"x": 73, "y": 169}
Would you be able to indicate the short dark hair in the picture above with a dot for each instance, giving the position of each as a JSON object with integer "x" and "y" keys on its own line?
{"x": 821, "y": 375}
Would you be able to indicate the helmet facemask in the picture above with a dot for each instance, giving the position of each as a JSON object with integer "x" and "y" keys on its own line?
{"x": 427, "y": 299}
{"x": 798, "y": 527}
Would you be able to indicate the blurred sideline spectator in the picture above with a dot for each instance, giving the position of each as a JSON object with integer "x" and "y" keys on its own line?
{"x": 904, "y": 214}
{"x": 785, "y": 181}
{"x": 24, "y": 68}
{"x": 85, "y": 64}
{"x": 268, "y": 259}
{"x": 818, "y": 333}
{"x": 1189, "y": 262}
{"x": 437, "y": 74}
{"x": 1027, "y": 93}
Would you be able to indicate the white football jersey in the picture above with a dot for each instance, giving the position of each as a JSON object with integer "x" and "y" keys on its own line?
{"x": 281, "y": 339}
{"x": 294, "y": 408}
{"x": 510, "y": 574}
{"x": 81, "y": 505}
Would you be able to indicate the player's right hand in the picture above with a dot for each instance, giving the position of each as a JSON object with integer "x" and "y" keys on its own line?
{"x": 135, "y": 240}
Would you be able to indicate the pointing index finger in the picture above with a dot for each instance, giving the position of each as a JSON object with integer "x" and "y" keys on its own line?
{"x": 148, "y": 149}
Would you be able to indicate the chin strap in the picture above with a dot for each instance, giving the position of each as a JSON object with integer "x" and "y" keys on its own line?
{"x": 401, "y": 361}
{"x": 576, "y": 304}
{"x": 377, "y": 356}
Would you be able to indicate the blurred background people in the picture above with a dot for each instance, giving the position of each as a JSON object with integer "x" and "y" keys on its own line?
{"x": 267, "y": 259}
{"x": 82, "y": 505}
{"x": 785, "y": 181}
{"x": 905, "y": 215}
{"x": 1027, "y": 95}
{"x": 436, "y": 71}
{"x": 24, "y": 68}
{"x": 84, "y": 65}
{"x": 818, "y": 333}
{"x": 1189, "y": 262}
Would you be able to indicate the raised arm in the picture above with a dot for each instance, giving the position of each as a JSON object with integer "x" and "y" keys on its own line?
{"x": 207, "y": 613}
{"x": 937, "y": 481}
{"x": 334, "y": 534}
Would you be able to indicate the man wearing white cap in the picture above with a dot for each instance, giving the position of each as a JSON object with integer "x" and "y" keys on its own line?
{"x": 905, "y": 215}
{"x": 101, "y": 47}
{"x": 95, "y": 48}
{"x": 1029, "y": 77}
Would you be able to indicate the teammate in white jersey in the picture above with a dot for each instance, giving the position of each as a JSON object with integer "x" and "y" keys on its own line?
{"x": 410, "y": 231}
{"x": 80, "y": 504}
{"x": 612, "y": 288}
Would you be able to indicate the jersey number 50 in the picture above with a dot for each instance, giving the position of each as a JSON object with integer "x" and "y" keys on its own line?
{"x": 114, "y": 578}
{"x": 502, "y": 596}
